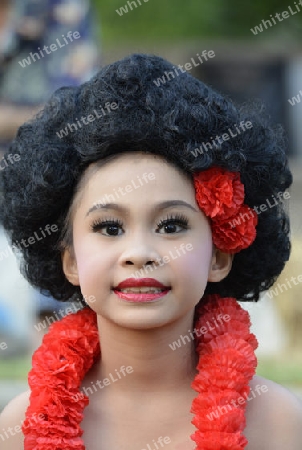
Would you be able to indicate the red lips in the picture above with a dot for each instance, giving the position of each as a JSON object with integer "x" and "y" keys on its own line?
{"x": 141, "y": 282}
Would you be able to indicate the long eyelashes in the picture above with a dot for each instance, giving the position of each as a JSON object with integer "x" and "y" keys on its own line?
{"x": 177, "y": 219}
{"x": 115, "y": 224}
{"x": 99, "y": 224}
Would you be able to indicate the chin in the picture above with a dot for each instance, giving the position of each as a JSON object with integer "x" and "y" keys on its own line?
{"x": 141, "y": 320}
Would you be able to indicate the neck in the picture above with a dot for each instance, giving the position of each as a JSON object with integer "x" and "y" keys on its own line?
{"x": 151, "y": 362}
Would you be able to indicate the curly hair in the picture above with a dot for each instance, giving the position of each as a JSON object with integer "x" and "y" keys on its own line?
{"x": 171, "y": 118}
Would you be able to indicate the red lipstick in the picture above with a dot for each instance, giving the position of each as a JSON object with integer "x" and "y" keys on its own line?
{"x": 141, "y": 297}
{"x": 140, "y": 282}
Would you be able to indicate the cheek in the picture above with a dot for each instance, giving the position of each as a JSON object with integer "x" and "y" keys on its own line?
{"x": 194, "y": 267}
{"x": 91, "y": 264}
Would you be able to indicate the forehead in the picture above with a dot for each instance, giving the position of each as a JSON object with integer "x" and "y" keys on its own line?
{"x": 149, "y": 171}
{"x": 132, "y": 164}
{"x": 132, "y": 160}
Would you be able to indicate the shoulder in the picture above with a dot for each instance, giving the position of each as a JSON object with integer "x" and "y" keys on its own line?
{"x": 274, "y": 417}
{"x": 11, "y": 420}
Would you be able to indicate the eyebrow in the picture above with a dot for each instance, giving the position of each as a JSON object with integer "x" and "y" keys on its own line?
{"x": 158, "y": 207}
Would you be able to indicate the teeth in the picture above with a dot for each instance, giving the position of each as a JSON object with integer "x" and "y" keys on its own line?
{"x": 146, "y": 289}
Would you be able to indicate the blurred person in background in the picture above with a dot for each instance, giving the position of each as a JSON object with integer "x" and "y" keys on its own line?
{"x": 29, "y": 73}
{"x": 26, "y": 81}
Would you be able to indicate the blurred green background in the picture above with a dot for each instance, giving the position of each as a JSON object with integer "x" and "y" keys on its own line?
{"x": 159, "y": 20}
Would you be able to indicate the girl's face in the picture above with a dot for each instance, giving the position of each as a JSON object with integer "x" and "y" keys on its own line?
{"x": 137, "y": 217}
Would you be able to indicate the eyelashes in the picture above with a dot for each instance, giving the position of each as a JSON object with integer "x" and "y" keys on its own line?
{"x": 177, "y": 219}
{"x": 116, "y": 224}
{"x": 99, "y": 224}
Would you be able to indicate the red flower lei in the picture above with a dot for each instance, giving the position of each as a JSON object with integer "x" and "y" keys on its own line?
{"x": 226, "y": 365}
{"x": 220, "y": 196}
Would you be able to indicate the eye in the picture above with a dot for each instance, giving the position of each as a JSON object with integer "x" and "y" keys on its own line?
{"x": 172, "y": 222}
{"x": 171, "y": 225}
{"x": 112, "y": 226}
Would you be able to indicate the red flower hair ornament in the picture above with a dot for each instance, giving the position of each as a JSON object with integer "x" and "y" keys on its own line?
{"x": 220, "y": 195}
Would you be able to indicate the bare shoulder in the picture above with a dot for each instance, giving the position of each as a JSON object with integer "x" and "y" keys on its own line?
{"x": 274, "y": 417}
{"x": 11, "y": 419}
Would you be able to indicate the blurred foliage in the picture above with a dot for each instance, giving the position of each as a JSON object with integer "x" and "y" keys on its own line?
{"x": 179, "y": 19}
{"x": 283, "y": 370}
{"x": 15, "y": 368}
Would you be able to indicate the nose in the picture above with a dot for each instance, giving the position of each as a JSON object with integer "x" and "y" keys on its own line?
{"x": 139, "y": 250}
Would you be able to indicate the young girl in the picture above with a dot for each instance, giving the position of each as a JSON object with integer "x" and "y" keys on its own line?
{"x": 143, "y": 202}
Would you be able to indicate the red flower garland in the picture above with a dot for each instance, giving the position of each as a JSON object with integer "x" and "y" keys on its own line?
{"x": 226, "y": 364}
{"x": 220, "y": 196}
{"x": 68, "y": 351}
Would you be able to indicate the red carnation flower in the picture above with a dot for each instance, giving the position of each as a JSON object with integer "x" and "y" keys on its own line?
{"x": 235, "y": 233}
{"x": 219, "y": 193}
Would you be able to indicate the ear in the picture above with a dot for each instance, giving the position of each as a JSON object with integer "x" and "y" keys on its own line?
{"x": 221, "y": 265}
{"x": 69, "y": 265}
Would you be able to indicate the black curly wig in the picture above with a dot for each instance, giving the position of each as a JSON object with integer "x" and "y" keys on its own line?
{"x": 170, "y": 120}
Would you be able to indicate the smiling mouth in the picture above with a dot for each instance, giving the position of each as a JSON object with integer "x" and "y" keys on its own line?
{"x": 144, "y": 294}
{"x": 142, "y": 290}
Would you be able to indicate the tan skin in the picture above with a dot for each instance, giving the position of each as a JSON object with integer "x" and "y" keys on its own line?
{"x": 155, "y": 399}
